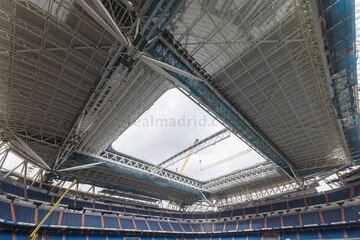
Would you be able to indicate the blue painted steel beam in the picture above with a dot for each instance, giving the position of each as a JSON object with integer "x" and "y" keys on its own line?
{"x": 204, "y": 94}
{"x": 340, "y": 35}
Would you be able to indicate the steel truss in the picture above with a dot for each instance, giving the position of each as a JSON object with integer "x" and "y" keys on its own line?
{"x": 118, "y": 160}
{"x": 244, "y": 176}
{"x": 249, "y": 196}
{"x": 202, "y": 144}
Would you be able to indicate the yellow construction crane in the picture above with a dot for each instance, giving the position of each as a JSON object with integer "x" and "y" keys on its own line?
{"x": 224, "y": 160}
{"x": 34, "y": 234}
{"x": 185, "y": 163}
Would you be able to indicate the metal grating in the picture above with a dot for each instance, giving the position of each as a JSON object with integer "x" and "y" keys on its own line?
{"x": 215, "y": 32}
{"x": 50, "y": 59}
{"x": 275, "y": 74}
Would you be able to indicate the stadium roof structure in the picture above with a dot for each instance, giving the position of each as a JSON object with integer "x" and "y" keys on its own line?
{"x": 280, "y": 75}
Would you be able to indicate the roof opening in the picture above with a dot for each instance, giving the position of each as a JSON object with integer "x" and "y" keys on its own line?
{"x": 175, "y": 123}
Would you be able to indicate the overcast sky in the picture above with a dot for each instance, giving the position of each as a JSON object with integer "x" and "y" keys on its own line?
{"x": 173, "y": 123}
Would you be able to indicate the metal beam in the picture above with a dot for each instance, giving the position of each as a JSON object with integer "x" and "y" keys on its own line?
{"x": 80, "y": 167}
{"x": 92, "y": 13}
{"x": 152, "y": 62}
{"x": 105, "y": 14}
{"x": 200, "y": 145}
{"x": 12, "y": 170}
{"x": 31, "y": 153}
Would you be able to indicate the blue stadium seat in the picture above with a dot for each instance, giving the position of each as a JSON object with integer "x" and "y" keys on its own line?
{"x": 339, "y": 195}
{"x": 131, "y": 210}
{"x": 165, "y": 214}
{"x": 24, "y": 214}
{"x": 186, "y": 226}
{"x": 273, "y": 221}
{"x": 75, "y": 237}
{"x": 93, "y": 221}
{"x": 257, "y": 223}
{"x": 238, "y": 212}
{"x": 117, "y": 209}
{"x": 264, "y": 208}
{"x": 225, "y": 214}
{"x": 65, "y": 201}
{"x": 230, "y": 226}
{"x": 52, "y": 220}
{"x": 21, "y": 235}
{"x": 101, "y": 206}
{"x": 203, "y": 238}
{"x": 353, "y": 233}
{"x": 6, "y": 235}
{"x": 131, "y": 238}
{"x": 219, "y": 226}
{"x": 225, "y": 238}
{"x": 332, "y": 234}
{"x": 250, "y": 210}
{"x": 207, "y": 227}
{"x": 176, "y": 226}
{"x": 154, "y": 226}
{"x": 288, "y": 236}
{"x": 240, "y": 237}
{"x": 254, "y": 237}
{"x": 307, "y": 235}
{"x": 110, "y": 237}
{"x": 146, "y": 238}
{"x": 71, "y": 219}
{"x": 141, "y": 224}
{"x": 96, "y": 237}
{"x": 291, "y": 220}
{"x": 50, "y": 236}
{"x": 279, "y": 206}
{"x": 165, "y": 226}
{"x": 332, "y": 215}
{"x": 5, "y": 212}
{"x": 38, "y": 196}
{"x": 213, "y": 215}
{"x": 196, "y": 227}
{"x": 356, "y": 191}
{"x": 244, "y": 224}
{"x": 153, "y": 213}
{"x": 143, "y": 212}
{"x": 310, "y": 218}
{"x": 111, "y": 222}
{"x": 176, "y": 215}
{"x": 127, "y": 223}
{"x": 297, "y": 203}
{"x": 84, "y": 204}
{"x": 315, "y": 200}
{"x": 352, "y": 213}
{"x": 10, "y": 188}
{"x": 200, "y": 216}
{"x": 187, "y": 216}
